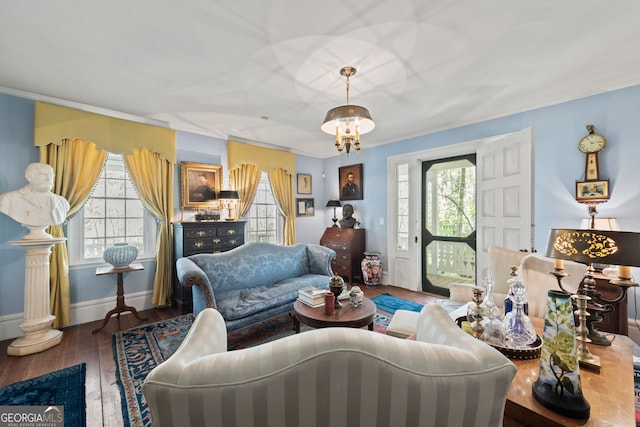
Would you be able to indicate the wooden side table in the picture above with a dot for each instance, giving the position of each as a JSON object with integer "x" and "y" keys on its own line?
{"x": 348, "y": 316}
{"x": 610, "y": 393}
{"x": 121, "y": 307}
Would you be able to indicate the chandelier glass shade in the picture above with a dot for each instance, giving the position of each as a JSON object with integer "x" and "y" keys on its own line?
{"x": 347, "y": 122}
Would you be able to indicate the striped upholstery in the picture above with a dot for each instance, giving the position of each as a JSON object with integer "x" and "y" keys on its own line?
{"x": 332, "y": 377}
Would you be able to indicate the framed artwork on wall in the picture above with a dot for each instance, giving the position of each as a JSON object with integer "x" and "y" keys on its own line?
{"x": 200, "y": 184}
{"x": 351, "y": 182}
{"x": 592, "y": 191}
{"x": 305, "y": 207}
{"x": 304, "y": 183}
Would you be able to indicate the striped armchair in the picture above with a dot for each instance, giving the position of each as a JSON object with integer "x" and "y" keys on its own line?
{"x": 332, "y": 377}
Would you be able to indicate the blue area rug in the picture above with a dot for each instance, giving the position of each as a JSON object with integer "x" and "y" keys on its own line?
{"x": 138, "y": 350}
{"x": 390, "y": 304}
{"x": 63, "y": 388}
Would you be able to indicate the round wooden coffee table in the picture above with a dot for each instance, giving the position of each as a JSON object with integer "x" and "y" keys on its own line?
{"x": 348, "y": 316}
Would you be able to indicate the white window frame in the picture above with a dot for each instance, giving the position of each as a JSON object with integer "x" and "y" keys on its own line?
{"x": 279, "y": 217}
{"x": 75, "y": 241}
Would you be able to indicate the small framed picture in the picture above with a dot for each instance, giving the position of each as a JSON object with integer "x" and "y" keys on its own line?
{"x": 305, "y": 207}
{"x": 200, "y": 185}
{"x": 351, "y": 182}
{"x": 304, "y": 183}
{"x": 592, "y": 191}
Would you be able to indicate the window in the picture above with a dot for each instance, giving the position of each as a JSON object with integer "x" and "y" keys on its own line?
{"x": 114, "y": 213}
{"x": 402, "y": 222}
{"x": 264, "y": 220}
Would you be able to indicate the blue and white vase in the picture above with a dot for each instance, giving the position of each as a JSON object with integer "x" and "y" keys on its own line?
{"x": 120, "y": 254}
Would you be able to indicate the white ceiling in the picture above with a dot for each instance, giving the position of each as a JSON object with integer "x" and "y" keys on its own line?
{"x": 268, "y": 70}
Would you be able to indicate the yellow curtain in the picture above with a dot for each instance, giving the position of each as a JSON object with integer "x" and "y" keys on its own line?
{"x": 282, "y": 185}
{"x": 265, "y": 159}
{"x": 244, "y": 179}
{"x": 153, "y": 179}
{"x": 54, "y": 123}
{"x": 77, "y": 165}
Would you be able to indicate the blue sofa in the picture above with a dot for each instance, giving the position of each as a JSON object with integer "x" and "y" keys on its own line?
{"x": 255, "y": 281}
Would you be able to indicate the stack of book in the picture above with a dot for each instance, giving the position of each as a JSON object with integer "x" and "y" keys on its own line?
{"x": 312, "y": 296}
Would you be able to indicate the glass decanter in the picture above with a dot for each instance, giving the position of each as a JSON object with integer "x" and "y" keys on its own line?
{"x": 508, "y": 300}
{"x": 518, "y": 328}
{"x": 492, "y": 316}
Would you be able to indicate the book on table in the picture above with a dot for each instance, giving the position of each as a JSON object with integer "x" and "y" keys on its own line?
{"x": 311, "y": 304}
{"x": 312, "y": 292}
{"x": 312, "y": 301}
{"x": 314, "y": 295}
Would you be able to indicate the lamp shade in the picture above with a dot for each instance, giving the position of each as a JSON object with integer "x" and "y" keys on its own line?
{"x": 595, "y": 246}
{"x": 600, "y": 224}
{"x": 344, "y": 115}
{"x": 228, "y": 195}
{"x": 334, "y": 203}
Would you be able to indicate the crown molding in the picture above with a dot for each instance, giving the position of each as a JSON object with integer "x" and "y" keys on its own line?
{"x": 84, "y": 107}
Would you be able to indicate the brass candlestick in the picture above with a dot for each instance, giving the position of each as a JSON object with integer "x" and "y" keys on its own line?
{"x": 585, "y": 358}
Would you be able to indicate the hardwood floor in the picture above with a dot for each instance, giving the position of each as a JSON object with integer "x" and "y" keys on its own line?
{"x": 80, "y": 345}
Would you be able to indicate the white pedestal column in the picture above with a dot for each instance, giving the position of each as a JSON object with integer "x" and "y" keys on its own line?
{"x": 36, "y": 326}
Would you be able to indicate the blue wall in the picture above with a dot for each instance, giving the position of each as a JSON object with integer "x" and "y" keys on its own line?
{"x": 557, "y": 162}
{"x": 16, "y": 146}
{"x": 309, "y": 228}
{"x": 557, "y": 165}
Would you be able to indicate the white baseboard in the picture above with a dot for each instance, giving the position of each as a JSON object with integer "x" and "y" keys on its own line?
{"x": 82, "y": 312}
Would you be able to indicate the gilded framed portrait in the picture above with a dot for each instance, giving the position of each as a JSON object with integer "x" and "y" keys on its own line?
{"x": 200, "y": 185}
{"x": 305, "y": 207}
{"x": 304, "y": 183}
{"x": 351, "y": 182}
{"x": 592, "y": 191}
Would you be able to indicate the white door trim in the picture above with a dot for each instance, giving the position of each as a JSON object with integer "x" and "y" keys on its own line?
{"x": 406, "y": 264}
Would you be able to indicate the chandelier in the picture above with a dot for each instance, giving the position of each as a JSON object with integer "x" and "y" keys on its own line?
{"x": 347, "y": 121}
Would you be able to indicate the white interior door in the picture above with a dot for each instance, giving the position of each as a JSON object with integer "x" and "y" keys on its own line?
{"x": 504, "y": 212}
{"x": 504, "y": 198}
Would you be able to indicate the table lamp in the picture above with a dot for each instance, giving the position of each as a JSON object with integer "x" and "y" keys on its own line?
{"x": 593, "y": 223}
{"x": 228, "y": 197}
{"x": 334, "y": 204}
{"x": 619, "y": 248}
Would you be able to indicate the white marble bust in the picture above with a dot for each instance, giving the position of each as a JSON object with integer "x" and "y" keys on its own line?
{"x": 34, "y": 205}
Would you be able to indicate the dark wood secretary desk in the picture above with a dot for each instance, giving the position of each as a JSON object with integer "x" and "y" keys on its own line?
{"x": 349, "y": 244}
{"x": 190, "y": 238}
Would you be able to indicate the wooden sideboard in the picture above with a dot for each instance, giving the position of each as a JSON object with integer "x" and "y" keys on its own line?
{"x": 610, "y": 393}
{"x": 190, "y": 238}
{"x": 349, "y": 244}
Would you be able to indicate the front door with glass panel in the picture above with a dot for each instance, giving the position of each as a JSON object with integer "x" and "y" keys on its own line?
{"x": 448, "y": 223}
